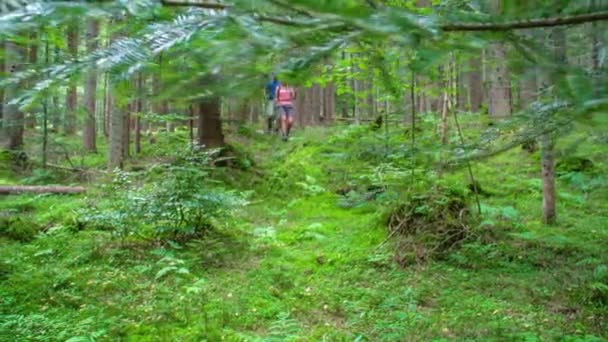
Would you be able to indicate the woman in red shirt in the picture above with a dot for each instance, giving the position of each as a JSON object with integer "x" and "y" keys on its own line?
{"x": 285, "y": 97}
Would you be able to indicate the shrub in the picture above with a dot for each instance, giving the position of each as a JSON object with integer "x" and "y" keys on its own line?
{"x": 177, "y": 202}
{"x": 18, "y": 228}
{"x": 428, "y": 224}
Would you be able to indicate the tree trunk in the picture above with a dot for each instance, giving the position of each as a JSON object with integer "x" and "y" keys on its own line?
{"x": 317, "y": 104}
{"x": 210, "y": 134}
{"x": 56, "y": 112}
{"x": 444, "y": 119}
{"x": 117, "y": 123}
{"x": 107, "y": 105}
{"x": 499, "y": 78}
{"x": 500, "y": 87}
{"x": 12, "y": 115}
{"x": 30, "y": 120}
{"x": 90, "y": 93}
{"x": 475, "y": 84}
{"x": 548, "y": 178}
{"x": 16, "y": 189}
{"x": 72, "y": 92}
{"x": 546, "y": 140}
{"x": 139, "y": 108}
{"x": 3, "y": 66}
{"x": 329, "y": 103}
{"x": 126, "y": 132}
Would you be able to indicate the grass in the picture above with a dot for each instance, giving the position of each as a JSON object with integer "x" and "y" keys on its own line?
{"x": 296, "y": 265}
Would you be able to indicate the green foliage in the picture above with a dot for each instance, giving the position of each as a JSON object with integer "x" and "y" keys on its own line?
{"x": 18, "y": 228}
{"x": 284, "y": 328}
{"x": 176, "y": 202}
{"x": 598, "y": 286}
{"x": 428, "y": 224}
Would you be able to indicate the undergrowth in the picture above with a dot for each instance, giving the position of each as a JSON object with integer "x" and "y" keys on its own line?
{"x": 292, "y": 242}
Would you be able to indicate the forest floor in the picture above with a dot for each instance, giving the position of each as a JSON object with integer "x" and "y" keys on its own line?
{"x": 307, "y": 260}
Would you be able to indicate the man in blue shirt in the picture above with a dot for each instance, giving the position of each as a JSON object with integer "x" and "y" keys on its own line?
{"x": 271, "y": 112}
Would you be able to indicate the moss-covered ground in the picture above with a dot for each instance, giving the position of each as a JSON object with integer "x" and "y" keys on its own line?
{"x": 306, "y": 259}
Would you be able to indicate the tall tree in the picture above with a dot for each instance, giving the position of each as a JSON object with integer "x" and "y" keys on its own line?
{"x": 72, "y": 92}
{"x": 475, "y": 84}
{"x": 116, "y": 155}
{"x": 32, "y": 59}
{"x": 499, "y": 101}
{"x": 90, "y": 92}
{"x": 13, "y": 117}
{"x": 138, "y": 109}
{"x": 547, "y": 142}
{"x": 2, "y": 43}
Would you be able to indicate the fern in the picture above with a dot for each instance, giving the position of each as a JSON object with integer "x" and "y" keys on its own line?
{"x": 284, "y": 329}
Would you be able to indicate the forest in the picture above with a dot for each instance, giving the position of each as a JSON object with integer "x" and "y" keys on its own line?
{"x": 445, "y": 178}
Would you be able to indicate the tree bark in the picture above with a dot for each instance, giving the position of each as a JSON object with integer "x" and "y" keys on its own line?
{"x": 475, "y": 84}
{"x": 210, "y": 133}
{"x": 3, "y": 66}
{"x": 500, "y": 81}
{"x": 30, "y": 120}
{"x": 15, "y": 189}
{"x": 12, "y": 115}
{"x": 116, "y": 154}
{"x": 329, "y": 103}
{"x": 126, "y": 132}
{"x": 72, "y": 92}
{"x": 90, "y": 93}
{"x": 500, "y": 88}
{"x": 548, "y": 178}
{"x": 317, "y": 104}
{"x": 547, "y": 140}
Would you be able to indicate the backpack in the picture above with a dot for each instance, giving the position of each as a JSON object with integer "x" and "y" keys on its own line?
{"x": 284, "y": 94}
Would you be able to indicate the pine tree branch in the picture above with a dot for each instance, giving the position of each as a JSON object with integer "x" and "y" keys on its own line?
{"x": 527, "y": 24}
{"x": 208, "y": 5}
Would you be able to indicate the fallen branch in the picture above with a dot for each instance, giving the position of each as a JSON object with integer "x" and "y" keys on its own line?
{"x": 16, "y": 189}
{"x": 208, "y": 5}
{"x": 66, "y": 168}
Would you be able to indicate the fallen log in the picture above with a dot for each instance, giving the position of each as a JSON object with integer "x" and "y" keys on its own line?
{"x": 16, "y": 189}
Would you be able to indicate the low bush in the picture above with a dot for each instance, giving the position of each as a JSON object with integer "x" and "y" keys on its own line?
{"x": 428, "y": 224}
{"x": 18, "y": 228}
{"x": 177, "y": 202}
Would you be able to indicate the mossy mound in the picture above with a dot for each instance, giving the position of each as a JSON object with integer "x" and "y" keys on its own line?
{"x": 575, "y": 164}
{"x": 18, "y": 228}
{"x": 429, "y": 224}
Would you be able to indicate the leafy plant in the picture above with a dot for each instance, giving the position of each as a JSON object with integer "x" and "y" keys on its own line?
{"x": 176, "y": 203}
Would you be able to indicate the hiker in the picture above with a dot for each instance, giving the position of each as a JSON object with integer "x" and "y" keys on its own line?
{"x": 284, "y": 98}
{"x": 271, "y": 109}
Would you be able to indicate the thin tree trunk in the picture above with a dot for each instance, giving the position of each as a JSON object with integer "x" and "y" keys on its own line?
{"x": 12, "y": 115}
{"x": 548, "y": 178}
{"x": 117, "y": 123}
{"x": 317, "y": 104}
{"x": 355, "y": 86}
{"x": 17, "y": 189}
{"x": 57, "y": 110}
{"x": 2, "y": 66}
{"x": 90, "y": 93}
{"x": 126, "y": 132}
{"x": 444, "y": 119}
{"x": 72, "y": 92}
{"x": 45, "y": 108}
{"x": 139, "y": 108}
{"x": 107, "y": 105}
{"x": 547, "y": 140}
{"x": 329, "y": 103}
{"x": 30, "y": 120}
